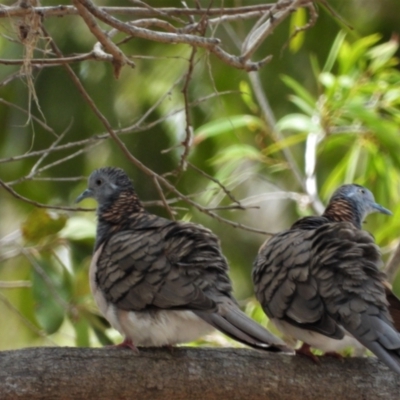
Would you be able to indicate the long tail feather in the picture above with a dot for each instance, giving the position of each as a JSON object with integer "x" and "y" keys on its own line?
{"x": 237, "y": 325}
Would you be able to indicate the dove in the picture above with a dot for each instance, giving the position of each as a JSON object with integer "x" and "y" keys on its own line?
{"x": 320, "y": 282}
{"x": 161, "y": 282}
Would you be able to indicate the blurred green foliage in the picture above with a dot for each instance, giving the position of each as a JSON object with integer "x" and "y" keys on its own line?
{"x": 336, "y": 86}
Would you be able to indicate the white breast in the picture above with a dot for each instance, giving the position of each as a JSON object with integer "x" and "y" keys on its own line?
{"x": 161, "y": 328}
{"x": 148, "y": 328}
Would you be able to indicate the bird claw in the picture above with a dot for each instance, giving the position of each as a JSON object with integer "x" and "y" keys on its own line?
{"x": 127, "y": 344}
{"x": 304, "y": 350}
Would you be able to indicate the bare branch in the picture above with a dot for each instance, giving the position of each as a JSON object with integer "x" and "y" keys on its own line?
{"x": 163, "y": 199}
{"x": 263, "y": 29}
{"x": 308, "y": 25}
{"x": 188, "y": 128}
{"x": 37, "y": 204}
{"x": 211, "y": 178}
{"x": 176, "y": 30}
{"x": 39, "y": 121}
{"x": 119, "y": 59}
{"x": 67, "y": 373}
{"x": 58, "y": 61}
{"x": 142, "y": 12}
{"x": 211, "y": 44}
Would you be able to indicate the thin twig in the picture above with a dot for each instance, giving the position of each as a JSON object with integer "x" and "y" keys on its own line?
{"x": 44, "y": 155}
{"x": 40, "y": 205}
{"x": 211, "y": 44}
{"x": 188, "y": 126}
{"x": 119, "y": 59}
{"x": 211, "y": 178}
{"x": 262, "y": 29}
{"x": 39, "y": 121}
{"x": 136, "y": 127}
{"x": 142, "y": 12}
{"x": 15, "y": 284}
{"x": 140, "y": 165}
{"x": 158, "y": 11}
{"x": 269, "y": 118}
{"x": 51, "y": 165}
{"x": 163, "y": 199}
{"x": 159, "y": 23}
{"x": 55, "y": 61}
{"x": 308, "y": 25}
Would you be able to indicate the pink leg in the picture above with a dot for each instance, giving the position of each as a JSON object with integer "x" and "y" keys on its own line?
{"x": 334, "y": 355}
{"x": 304, "y": 350}
{"x": 127, "y": 344}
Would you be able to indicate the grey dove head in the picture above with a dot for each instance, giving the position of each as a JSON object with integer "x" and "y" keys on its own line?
{"x": 105, "y": 185}
{"x": 362, "y": 202}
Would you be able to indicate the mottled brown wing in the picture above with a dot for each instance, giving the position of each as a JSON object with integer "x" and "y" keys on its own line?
{"x": 286, "y": 287}
{"x": 136, "y": 271}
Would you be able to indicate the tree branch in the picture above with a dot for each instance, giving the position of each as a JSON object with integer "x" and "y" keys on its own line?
{"x": 119, "y": 59}
{"x": 87, "y": 9}
{"x": 188, "y": 373}
{"x": 61, "y": 10}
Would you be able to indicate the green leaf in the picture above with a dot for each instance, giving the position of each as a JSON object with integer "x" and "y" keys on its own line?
{"x": 315, "y": 66}
{"x": 284, "y": 143}
{"x": 99, "y": 326}
{"x": 102, "y": 337}
{"x": 49, "y": 291}
{"x": 79, "y": 228}
{"x": 297, "y": 20}
{"x": 333, "y": 53}
{"x": 49, "y": 312}
{"x": 303, "y": 105}
{"x": 335, "y": 178}
{"x": 40, "y": 224}
{"x": 247, "y": 96}
{"x": 353, "y": 160}
{"x": 382, "y": 54}
{"x": 237, "y": 153}
{"x": 254, "y": 310}
{"x": 299, "y": 90}
{"x": 327, "y": 79}
{"x": 81, "y": 327}
{"x": 21, "y": 300}
{"x": 387, "y": 132}
{"x": 296, "y": 122}
{"x": 351, "y": 55}
{"x": 226, "y": 125}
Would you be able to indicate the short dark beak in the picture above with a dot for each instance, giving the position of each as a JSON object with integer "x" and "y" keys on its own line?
{"x": 87, "y": 193}
{"x": 381, "y": 209}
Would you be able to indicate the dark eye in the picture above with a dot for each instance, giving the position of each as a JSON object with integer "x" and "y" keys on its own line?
{"x": 362, "y": 191}
{"x": 98, "y": 182}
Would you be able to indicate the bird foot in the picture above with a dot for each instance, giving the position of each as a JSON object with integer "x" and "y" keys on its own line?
{"x": 334, "y": 355}
{"x": 127, "y": 344}
{"x": 304, "y": 350}
{"x": 169, "y": 347}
